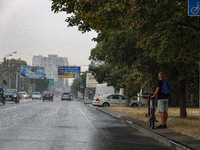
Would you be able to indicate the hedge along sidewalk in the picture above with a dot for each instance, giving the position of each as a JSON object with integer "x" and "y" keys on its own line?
{"x": 188, "y": 126}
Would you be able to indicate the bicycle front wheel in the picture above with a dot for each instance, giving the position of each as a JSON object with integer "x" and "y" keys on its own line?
{"x": 152, "y": 123}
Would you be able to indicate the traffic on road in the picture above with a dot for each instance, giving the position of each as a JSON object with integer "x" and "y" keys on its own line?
{"x": 66, "y": 125}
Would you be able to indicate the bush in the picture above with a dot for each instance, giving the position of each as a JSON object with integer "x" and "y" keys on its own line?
{"x": 134, "y": 98}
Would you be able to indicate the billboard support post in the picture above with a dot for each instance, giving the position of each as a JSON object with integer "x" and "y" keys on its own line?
{"x": 17, "y": 80}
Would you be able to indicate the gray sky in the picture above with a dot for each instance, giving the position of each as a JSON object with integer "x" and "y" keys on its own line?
{"x": 31, "y": 28}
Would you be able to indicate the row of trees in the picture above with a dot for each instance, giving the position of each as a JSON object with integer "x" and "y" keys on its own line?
{"x": 138, "y": 39}
{"x": 12, "y": 67}
{"x": 76, "y": 85}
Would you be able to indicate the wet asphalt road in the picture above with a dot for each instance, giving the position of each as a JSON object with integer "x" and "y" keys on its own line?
{"x": 66, "y": 125}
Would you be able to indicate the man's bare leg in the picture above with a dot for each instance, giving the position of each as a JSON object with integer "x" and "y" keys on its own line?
{"x": 163, "y": 117}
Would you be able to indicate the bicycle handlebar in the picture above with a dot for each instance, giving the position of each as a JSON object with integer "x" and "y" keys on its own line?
{"x": 153, "y": 98}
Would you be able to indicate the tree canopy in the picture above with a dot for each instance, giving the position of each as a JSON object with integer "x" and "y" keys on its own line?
{"x": 141, "y": 38}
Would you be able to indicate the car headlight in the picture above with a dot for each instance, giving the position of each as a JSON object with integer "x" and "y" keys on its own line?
{"x": 14, "y": 95}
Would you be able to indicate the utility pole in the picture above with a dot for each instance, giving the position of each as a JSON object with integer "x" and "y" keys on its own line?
{"x": 4, "y": 68}
{"x": 20, "y": 84}
{"x": 17, "y": 80}
{"x": 7, "y": 73}
{"x": 10, "y": 80}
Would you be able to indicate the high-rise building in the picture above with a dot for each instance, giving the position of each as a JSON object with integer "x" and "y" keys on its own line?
{"x": 50, "y": 64}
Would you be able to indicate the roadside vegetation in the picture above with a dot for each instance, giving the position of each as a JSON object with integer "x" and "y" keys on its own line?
{"x": 14, "y": 66}
{"x": 137, "y": 40}
{"x": 188, "y": 126}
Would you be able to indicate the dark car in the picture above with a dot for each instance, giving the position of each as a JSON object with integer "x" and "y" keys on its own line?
{"x": 11, "y": 95}
{"x": 66, "y": 96}
{"x": 47, "y": 96}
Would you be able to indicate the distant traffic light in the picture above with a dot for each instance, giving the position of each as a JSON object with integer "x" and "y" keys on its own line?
{"x": 4, "y": 82}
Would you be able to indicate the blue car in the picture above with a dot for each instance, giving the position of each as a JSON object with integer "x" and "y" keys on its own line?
{"x": 11, "y": 95}
{"x": 30, "y": 95}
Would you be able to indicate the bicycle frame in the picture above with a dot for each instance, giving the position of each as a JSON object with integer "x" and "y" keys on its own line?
{"x": 151, "y": 112}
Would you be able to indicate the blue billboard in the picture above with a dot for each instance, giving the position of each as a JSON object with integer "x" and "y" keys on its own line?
{"x": 32, "y": 72}
{"x": 69, "y": 72}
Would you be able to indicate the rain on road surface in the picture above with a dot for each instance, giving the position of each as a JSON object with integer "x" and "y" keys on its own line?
{"x": 66, "y": 125}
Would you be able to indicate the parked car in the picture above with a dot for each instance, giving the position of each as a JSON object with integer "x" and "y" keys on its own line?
{"x": 36, "y": 95}
{"x": 23, "y": 95}
{"x": 113, "y": 100}
{"x": 11, "y": 95}
{"x": 66, "y": 96}
{"x": 47, "y": 96}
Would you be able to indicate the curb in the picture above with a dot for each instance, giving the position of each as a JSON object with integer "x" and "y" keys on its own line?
{"x": 167, "y": 142}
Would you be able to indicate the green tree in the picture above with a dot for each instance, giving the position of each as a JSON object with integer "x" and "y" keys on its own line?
{"x": 145, "y": 36}
{"x": 42, "y": 84}
{"x": 166, "y": 33}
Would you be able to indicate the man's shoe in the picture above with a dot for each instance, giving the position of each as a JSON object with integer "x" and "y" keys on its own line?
{"x": 162, "y": 126}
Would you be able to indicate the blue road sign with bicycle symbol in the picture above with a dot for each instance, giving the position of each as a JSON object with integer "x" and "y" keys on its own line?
{"x": 194, "y": 7}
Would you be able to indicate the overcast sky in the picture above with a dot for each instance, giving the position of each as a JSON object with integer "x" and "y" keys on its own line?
{"x": 31, "y": 28}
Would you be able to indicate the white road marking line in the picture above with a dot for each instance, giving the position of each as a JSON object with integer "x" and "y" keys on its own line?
{"x": 98, "y": 132}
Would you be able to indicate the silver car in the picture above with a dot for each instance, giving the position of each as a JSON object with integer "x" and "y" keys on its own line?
{"x": 23, "y": 95}
{"x": 66, "y": 96}
{"x": 36, "y": 95}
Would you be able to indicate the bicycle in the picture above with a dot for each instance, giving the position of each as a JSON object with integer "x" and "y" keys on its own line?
{"x": 195, "y": 10}
{"x": 151, "y": 112}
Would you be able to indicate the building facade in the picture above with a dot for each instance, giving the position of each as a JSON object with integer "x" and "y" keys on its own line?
{"x": 50, "y": 64}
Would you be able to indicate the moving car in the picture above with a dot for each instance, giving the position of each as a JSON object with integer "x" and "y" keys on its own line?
{"x": 66, "y": 96}
{"x": 47, "y": 96}
{"x": 30, "y": 95}
{"x": 36, "y": 95}
{"x": 23, "y": 95}
{"x": 113, "y": 100}
{"x": 11, "y": 95}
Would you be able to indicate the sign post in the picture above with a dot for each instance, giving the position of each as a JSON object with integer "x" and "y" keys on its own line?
{"x": 194, "y": 11}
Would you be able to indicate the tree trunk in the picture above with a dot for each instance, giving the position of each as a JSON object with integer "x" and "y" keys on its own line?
{"x": 183, "y": 112}
{"x": 128, "y": 100}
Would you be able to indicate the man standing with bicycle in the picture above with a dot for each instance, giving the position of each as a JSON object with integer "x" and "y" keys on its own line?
{"x": 163, "y": 90}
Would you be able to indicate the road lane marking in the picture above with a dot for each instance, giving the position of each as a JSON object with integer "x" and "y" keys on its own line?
{"x": 93, "y": 126}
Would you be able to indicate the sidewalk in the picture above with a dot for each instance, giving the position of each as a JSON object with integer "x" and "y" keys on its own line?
{"x": 168, "y": 137}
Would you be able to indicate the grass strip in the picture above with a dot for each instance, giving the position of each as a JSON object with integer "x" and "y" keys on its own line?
{"x": 188, "y": 126}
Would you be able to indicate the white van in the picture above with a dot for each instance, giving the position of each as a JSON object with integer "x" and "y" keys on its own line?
{"x": 143, "y": 97}
{"x": 103, "y": 89}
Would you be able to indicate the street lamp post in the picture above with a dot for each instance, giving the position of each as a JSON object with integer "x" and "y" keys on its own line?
{"x": 4, "y": 73}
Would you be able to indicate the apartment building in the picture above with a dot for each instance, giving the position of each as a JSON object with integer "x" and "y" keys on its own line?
{"x": 50, "y": 64}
